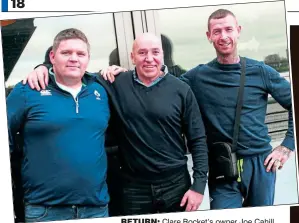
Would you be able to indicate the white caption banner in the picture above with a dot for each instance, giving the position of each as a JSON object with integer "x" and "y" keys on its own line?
{"x": 274, "y": 214}
{"x": 114, "y": 5}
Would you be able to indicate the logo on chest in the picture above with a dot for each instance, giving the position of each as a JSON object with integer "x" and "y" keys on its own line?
{"x": 45, "y": 93}
{"x": 97, "y": 94}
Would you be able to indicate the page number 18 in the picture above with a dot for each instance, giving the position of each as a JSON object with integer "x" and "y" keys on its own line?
{"x": 18, "y": 3}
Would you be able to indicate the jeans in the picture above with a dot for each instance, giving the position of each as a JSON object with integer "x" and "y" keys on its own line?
{"x": 149, "y": 198}
{"x": 40, "y": 213}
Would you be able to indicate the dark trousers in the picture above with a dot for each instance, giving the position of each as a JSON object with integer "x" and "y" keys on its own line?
{"x": 114, "y": 182}
{"x": 148, "y": 198}
{"x": 256, "y": 187}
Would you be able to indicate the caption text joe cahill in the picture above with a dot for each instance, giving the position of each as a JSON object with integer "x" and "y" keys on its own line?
{"x": 185, "y": 220}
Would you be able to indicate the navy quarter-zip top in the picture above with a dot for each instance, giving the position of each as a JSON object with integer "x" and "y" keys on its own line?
{"x": 63, "y": 142}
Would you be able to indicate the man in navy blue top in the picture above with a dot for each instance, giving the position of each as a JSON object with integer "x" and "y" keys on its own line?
{"x": 215, "y": 86}
{"x": 63, "y": 132}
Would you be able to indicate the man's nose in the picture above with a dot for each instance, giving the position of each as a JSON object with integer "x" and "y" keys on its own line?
{"x": 73, "y": 57}
{"x": 224, "y": 35}
{"x": 149, "y": 57}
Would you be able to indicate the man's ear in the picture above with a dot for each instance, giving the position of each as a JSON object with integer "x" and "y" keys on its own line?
{"x": 132, "y": 58}
{"x": 239, "y": 30}
{"x": 209, "y": 36}
{"x": 51, "y": 56}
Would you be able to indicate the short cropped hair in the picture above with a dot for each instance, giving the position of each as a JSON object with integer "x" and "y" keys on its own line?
{"x": 219, "y": 14}
{"x": 67, "y": 34}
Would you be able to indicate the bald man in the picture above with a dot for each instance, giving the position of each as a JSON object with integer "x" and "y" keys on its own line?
{"x": 155, "y": 110}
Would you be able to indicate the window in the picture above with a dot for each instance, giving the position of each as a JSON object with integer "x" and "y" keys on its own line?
{"x": 26, "y": 41}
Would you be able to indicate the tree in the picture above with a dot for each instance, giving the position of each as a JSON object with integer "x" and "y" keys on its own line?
{"x": 272, "y": 60}
{"x": 281, "y": 64}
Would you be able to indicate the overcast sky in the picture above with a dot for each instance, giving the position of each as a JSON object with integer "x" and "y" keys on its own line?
{"x": 263, "y": 33}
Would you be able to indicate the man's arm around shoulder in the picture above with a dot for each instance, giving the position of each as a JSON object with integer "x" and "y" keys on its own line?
{"x": 189, "y": 76}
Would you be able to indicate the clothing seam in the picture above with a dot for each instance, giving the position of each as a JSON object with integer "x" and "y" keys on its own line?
{"x": 265, "y": 79}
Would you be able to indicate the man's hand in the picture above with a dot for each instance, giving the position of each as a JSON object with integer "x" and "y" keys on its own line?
{"x": 112, "y": 71}
{"x": 38, "y": 78}
{"x": 277, "y": 158}
{"x": 194, "y": 200}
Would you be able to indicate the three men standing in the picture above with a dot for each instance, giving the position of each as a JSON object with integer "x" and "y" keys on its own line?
{"x": 155, "y": 109}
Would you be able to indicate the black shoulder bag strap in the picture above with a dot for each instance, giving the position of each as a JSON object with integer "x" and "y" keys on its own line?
{"x": 239, "y": 105}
